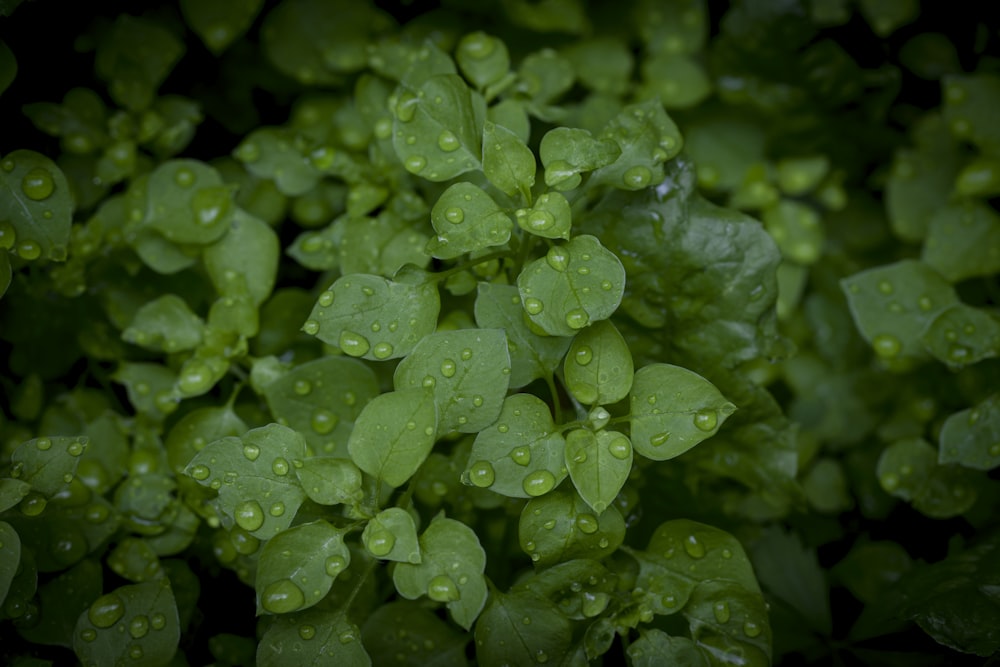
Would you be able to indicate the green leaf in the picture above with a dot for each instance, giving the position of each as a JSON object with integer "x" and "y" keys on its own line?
{"x": 330, "y": 481}
{"x": 531, "y": 356}
{"x": 394, "y": 434}
{"x": 311, "y": 637}
{"x": 544, "y": 76}
{"x": 894, "y": 303}
{"x": 573, "y": 286}
{"x": 192, "y": 432}
{"x": 673, "y": 409}
{"x": 165, "y": 324}
{"x": 467, "y": 371}
{"x": 598, "y": 368}
{"x": 297, "y": 567}
{"x": 580, "y": 588}
{"x": 12, "y": 491}
{"x": 568, "y": 152}
{"x": 374, "y": 318}
{"x": 599, "y": 464}
{"x": 245, "y": 259}
{"x": 408, "y": 630}
{"x": 791, "y": 572}
{"x": 451, "y": 570}
{"x": 135, "y": 58}
{"x": 550, "y": 217}
{"x": 971, "y": 437}
{"x": 562, "y": 16}
{"x": 185, "y": 201}
{"x": 961, "y": 335}
{"x": 482, "y": 58}
{"x": 279, "y": 154}
{"x": 969, "y": 100}
{"x": 521, "y": 629}
{"x": 908, "y": 469}
{"x": 133, "y": 559}
{"x": 381, "y": 246}
{"x": 560, "y": 526}
{"x": 678, "y": 80}
{"x": 250, "y": 470}
{"x": 36, "y": 206}
{"x": 135, "y": 625}
{"x": 513, "y": 115}
{"x": 521, "y": 454}
{"x": 508, "y": 163}
{"x": 10, "y": 557}
{"x": 48, "y": 464}
{"x": 602, "y": 64}
{"x": 437, "y": 128}
{"x": 655, "y": 647}
{"x": 647, "y": 137}
{"x": 672, "y": 27}
{"x": 5, "y": 273}
{"x": 61, "y": 600}
{"x": 797, "y": 176}
{"x": 885, "y": 16}
{"x": 321, "y": 400}
{"x": 963, "y": 241}
{"x": 392, "y": 535}
{"x": 467, "y": 219}
{"x": 796, "y": 228}
{"x": 218, "y": 23}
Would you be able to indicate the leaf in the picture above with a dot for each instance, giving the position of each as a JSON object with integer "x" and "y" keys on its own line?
{"x": 146, "y": 611}
{"x": 521, "y": 454}
{"x": 408, "y": 629}
{"x": 48, "y": 464}
{"x": 133, "y": 559}
{"x": 218, "y": 23}
{"x": 185, "y": 201}
{"x": 655, "y": 647}
{"x": 134, "y": 58}
{"x": 796, "y": 228}
{"x": 297, "y": 567}
{"x": 598, "y": 367}
{"x": 599, "y": 464}
{"x": 245, "y": 259}
{"x": 568, "y": 152}
{"x": 437, "y": 128}
{"x": 392, "y": 535}
{"x": 908, "y": 469}
{"x": 467, "y": 219}
{"x": 250, "y": 470}
{"x": 451, "y": 570}
{"x": 165, "y": 324}
{"x": 279, "y": 155}
{"x": 673, "y": 409}
{"x": 560, "y": 526}
{"x": 968, "y": 103}
{"x": 647, "y": 138}
{"x": 544, "y": 76}
{"x": 381, "y": 246}
{"x": 61, "y": 600}
{"x": 394, "y": 434}
{"x": 602, "y": 64}
{"x": 562, "y": 16}
{"x": 971, "y": 437}
{"x": 521, "y": 629}
{"x": 573, "y": 286}
{"x": 550, "y": 217}
{"x": 193, "y": 431}
{"x": 330, "y": 481}
{"x": 12, "y": 491}
{"x": 508, "y": 163}
{"x": 894, "y": 303}
{"x": 374, "y": 318}
{"x": 791, "y": 572}
{"x": 678, "y": 80}
{"x": 5, "y": 273}
{"x": 482, "y": 58}
{"x": 531, "y": 356}
{"x": 310, "y": 638}
{"x": 321, "y": 399}
{"x": 961, "y": 335}
{"x": 963, "y": 240}
{"x": 467, "y": 371}
{"x": 36, "y": 207}
{"x": 10, "y": 557}
{"x": 675, "y": 27}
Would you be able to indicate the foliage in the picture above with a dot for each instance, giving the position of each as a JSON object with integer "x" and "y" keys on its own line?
{"x": 645, "y": 333}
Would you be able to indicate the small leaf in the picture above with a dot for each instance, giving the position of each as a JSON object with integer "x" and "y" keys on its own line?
{"x": 544, "y": 76}
{"x": 220, "y": 22}
{"x": 507, "y": 162}
{"x": 598, "y": 368}
{"x": 297, "y": 567}
{"x": 963, "y": 241}
{"x": 192, "y": 432}
{"x": 969, "y": 100}
{"x": 279, "y": 154}
{"x": 521, "y": 629}
{"x": 10, "y": 557}
{"x": 392, "y": 535}
{"x": 467, "y": 219}
{"x": 12, "y": 491}
{"x": 253, "y": 474}
{"x": 647, "y": 137}
{"x": 550, "y": 217}
{"x": 374, "y": 318}
{"x": 428, "y": 639}
{"x": 451, "y": 570}
{"x": 134, "y": 58}
{"x": 568, "y": 152}
{"x": 678, "y": 80}
{"x": 185, "y": 201}
{"x": 581, "y": 588}
{"x": 245, "y": 259}
{"x": 655, "y": 647}
{"x": 381, "y": 246}
{"x": 311, "y": 637}
{"x": 394, "y": 434}
{"x": 796, "y": 228}
{"x": 48, "y": 464}
{"x": 673, "y": 409}
{"x": 36, "y": 206}
{"x": 522, "y": 454}
{"x": 560, "y": 526}
{"x": 482, "y": 58}
{"x": 330, "y": 481}
{"x": 971, "y": 437}
{"x": 135, "y": 625}
{"x": 467, "y": 372}
{"x": 908, "y": 469}
{"x": 531, "y": 356}
{"x": 61, "y": 600}
{"x": 961, "y": 335}
{"x": 573, "y": 286}
{"x": 603, "y": 64}
{"x": 165, "y": 324}
{"x": 8, "y": 68}
{"x": 599, "y": 464}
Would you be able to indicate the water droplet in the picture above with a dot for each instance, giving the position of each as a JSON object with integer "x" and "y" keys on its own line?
{"x": 538, "y": 483}
{"x": 303, "y": 387}
{"x": 448, "y": 142}
{"x": 887, "y": 346}
{"x": 380, "y": 542}
{"x": 694, "y": 547}
{"x": 335, "y": 565}
{"x": 541, "y": 656}
{"x": 428, "y": 382}
{"x": 580, "y": 457}
{"x": 577, "y": 318}
{"x": 323, "y": 421}
{"x": 603, "y": 543}
{"x": 200, "y": 472}
{"x": 346, "y": 637}
{"x": 135, "y": 652}
{"x": 958, "y": 354}
{"x": 466, "y": 354}
{"x": 454, "y": 215}
{"x": 659, "y": 439}
{"x": 503, "y": 428}
{"x": 277, "y": 509}
{"x": 106, "y": 610}
{"x": 533, "y": 306}
{"x": 415, "y": 163}
{"x": 158, "y": 621}
{"x": 311, "y": 327}
{"x": 721, "y": 611}
{"x": 890, "y": 482}
{"x": 282, "y": 597}
{"x": 706, "y": 420}
{"x": 307, "y": 632}
{"x": 521, "y": 455}
{"x": 539, "y": 220}
{"x": 885, "y": 287}
{"x": 481, "y": 474}
{"x": 751, "y": 629}
{"x": 251, "y": 452}
{"x": 442, "y": 589}
{"x": 406, "y": 106}
{"x": 995, "y": 449}
{"x": 557, "y": 258}
{"x": 88, "y": 634}
{"x": 248, "y": 515}
{"x": 620, "y": 448}
{"x": 587, "y": 523}
{"x": 382, "y": 350}
{"x": 37, "y": 184}
{"x": 583, "y": 355}
{"x": 353, "y": 344}
{"x": 279, "y": 466}
{"x": 637, "y": 177}
{"x": 138, "y": 627}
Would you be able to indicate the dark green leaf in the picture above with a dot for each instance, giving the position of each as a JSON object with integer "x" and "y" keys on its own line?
{"x": 410, "y": 635}
{"x": 963, "y": 240}
{"x": 245, "y": 260}
{"x": 790, "y": 571}
{"x": 48, "y": 464}
{"x": 61, "y": 600}
{"x": 279, "y": 154}
{"x": 599, "y": 464}
{"x": 961, "y": 335}
{"x": 134, "y": 58}
{"x": 36, "y": 207}
{"x": 482, "y": 58}
{"x": 392, "y": 535}
{"x": 971, "y": 437}
{"x": 655, "y": 647}
{"x": 647, "y": 137}
{"x": 185, "y": 201}
{"x": 297, "y": 567}
{"x": 508, "y": 163}
{"x": 330, "y": 481}
{"x": 677, "y": 80}
{"x": 560, "y": 526}
{"x": 908, "y": 469}
{"x": 165, "y": 324}
{"x": 598, "y": 368}
{"x": 969, "y": 100}
{"x": 467, "y": 219}
{"x": 8, "y": 67}
{"x": 521, "y": 629}
{"x": 312, "y": 637}
{"x": 219, "y": 22}
{"x": 580, "y": 588}
{"x": 394, "y": 434}
{"x": 568, "y": 152}
{"x": 10, "y": 557}
{"x": 12, "y": 491}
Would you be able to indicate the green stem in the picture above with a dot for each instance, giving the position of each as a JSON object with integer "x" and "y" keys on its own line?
{"x": 556, "y": 403}
{"x": 465, "y": 266}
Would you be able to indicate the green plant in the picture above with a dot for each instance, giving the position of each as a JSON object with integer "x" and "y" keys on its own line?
{"x": 417, "y": 343}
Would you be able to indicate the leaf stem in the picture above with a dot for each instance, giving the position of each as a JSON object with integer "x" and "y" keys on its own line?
{"x": 556, "y": 403}
{"x": 464, "y": 266}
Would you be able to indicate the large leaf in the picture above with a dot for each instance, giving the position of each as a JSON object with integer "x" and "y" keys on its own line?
{"x": 297, "y": 567}
{"x": 36, "y": 206}
{"x": 521, "y": 629}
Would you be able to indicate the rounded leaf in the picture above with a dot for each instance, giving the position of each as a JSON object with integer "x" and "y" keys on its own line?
{"x": 392, "y": 535}
{"x": 467, "y": 219}
{"x": 598, "y": 367}
{"x": 394, "y": 434}
{"x": 297, "y": 567}
{"x": 36, "y": 206}
{"x": 599, "y": 464}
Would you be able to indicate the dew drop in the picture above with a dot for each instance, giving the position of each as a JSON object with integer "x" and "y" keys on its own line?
{"x": 637, "y": 177}
{"x": 184, "y": 177}
{"x": 694, "y": 547}
{"x": 706, "y": 420}
{"x": 751, "y": 629}
{"x": 311, "y": 327}
{"x": 925, "y": 303}
{"x": 557, "y": 258}
{"x": 540, "y": 220}
{"x": 620, "y": 448}
{"x": 428, "y": 382}
{"x": 88, "y": 634}
{"x": 106, "y": 610}
{"x": 307, "y": 632}
{"x": 442, "y": 589}
{"x": 8, "y": 235}
{"x": 135, "y": 652}
{"x": 277, "y": 509}
{"x": 326, "y": 299}
{"x": 890, "y": 482}
{"x": 353, "y": 344}
{"x": 158, "y": 621}
{"x": 587, "y": 523}
{"x": 533, "y": 306}
{"x": 448, "y": 142}
{"x": 887, "y": 346}
{"x": 138, "y": 627}
{"x": 577, "y": 318}
{"x": 583, "y": 355}
{"x": 415, "y": 163}
{"x": 323, "y": 421}
{"x": 659, "y": 439}
{"x": 885, "y": 287}
{"x": 282, "y": 597}
{"x": 382, "y": 350}
{"x": 37, "y": 184}
{"x": 380, "y": 542}
{"x": 251, "y": 452}
{"x": 477, "y": 45}
{"x": 279, "y": 466}
{"x": 303, "y": 387}
{"x": 466, "y": 354}
{"x": 200, "y": 472}
{"x": 538, "y": 483}
{"x": 406, "y": 106}
{"x": 721, "y": 611}
{"x": 248, "y": 515}
{"x": 580, "y": 457}
{"x": 521, "y": 455}
{"x": 481, "y": 474}
{"x": 335, "y": 565}
{"x": 958, "y": 354}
